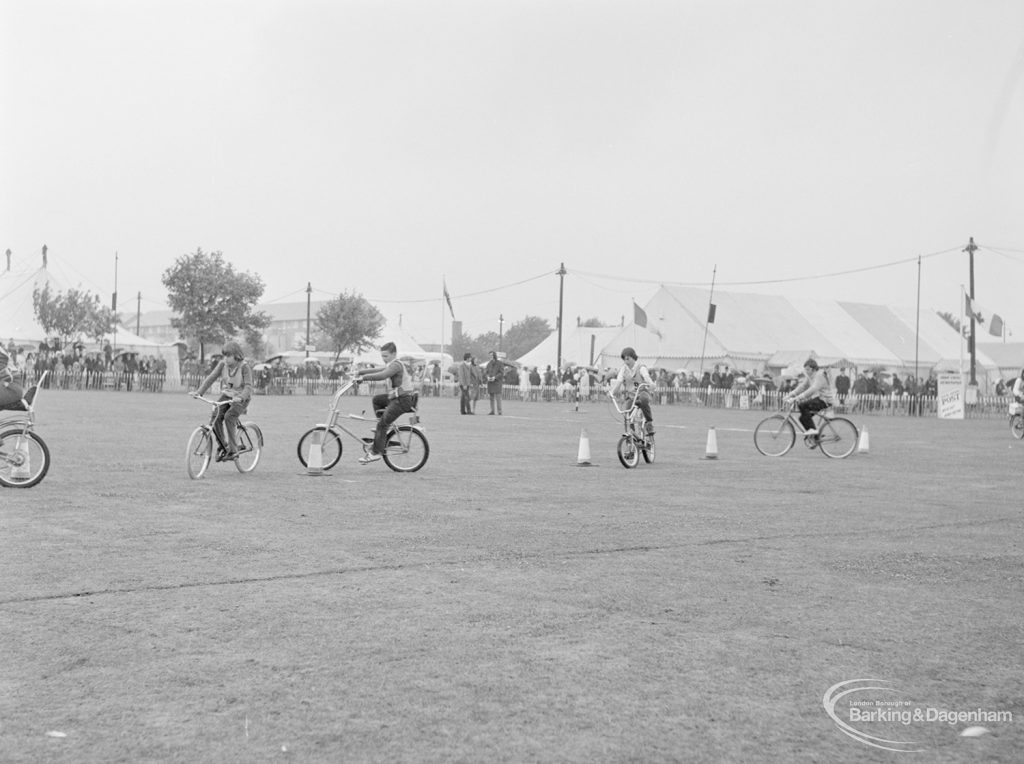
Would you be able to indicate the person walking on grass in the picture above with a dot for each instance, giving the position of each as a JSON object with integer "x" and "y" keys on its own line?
{"x": 494, "y": 373}
{"x": 465, "y": 380}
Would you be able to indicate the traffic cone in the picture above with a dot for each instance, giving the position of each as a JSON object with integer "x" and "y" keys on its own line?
{"x": 315, "y": 461}
{"x": 862, "y": 443}
{"x": 583, "y": 457}
{"x": 711, "y": 450}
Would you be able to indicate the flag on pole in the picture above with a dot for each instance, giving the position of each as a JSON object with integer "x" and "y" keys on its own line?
{"x": 448, "y": 298}
{"x": 639, "y": 316}
{"x": 984, "y": 315}
{"x": 711, "y": 312}
{"x": 969, "y": 309}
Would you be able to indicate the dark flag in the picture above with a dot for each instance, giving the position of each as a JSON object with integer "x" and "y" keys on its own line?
{"x": 639, "y": 316}
{"x": 711, "y": 313}
{"x": 448, "y": 298}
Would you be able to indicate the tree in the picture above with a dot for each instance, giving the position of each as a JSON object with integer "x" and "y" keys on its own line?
{"x": 213, "y": 301}
{"x": 523, "y": 336}
{"x": 951, "y": 320}
{"x": 595, "y": 323}
{"x": 349, "y": 322}
{"x": 71, "y": 315}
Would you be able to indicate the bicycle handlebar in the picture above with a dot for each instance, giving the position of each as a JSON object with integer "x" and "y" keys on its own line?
{"x": 198, "y": 397}
{"x": 632, "y": 405}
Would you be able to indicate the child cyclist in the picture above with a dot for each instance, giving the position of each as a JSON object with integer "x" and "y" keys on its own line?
{"x": 236, "y": 386}
{"x": 398, "y": 400}
{"x": 812, "y": 395}
{"x": 630, "y": 376}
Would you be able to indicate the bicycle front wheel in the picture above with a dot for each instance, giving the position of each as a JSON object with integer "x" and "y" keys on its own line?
{"x": 629, "y": 454}
{"x": 330, "y": 447}
{"x": 1017, "y": 426}
{"x": 250, "y": 446}
{"x": 407, "y": 449}
{"x": 199, "y": 452}
{"x": 774, "y": 436}
{"x": 837, "y": 437}
{"x": 24, "y": 459}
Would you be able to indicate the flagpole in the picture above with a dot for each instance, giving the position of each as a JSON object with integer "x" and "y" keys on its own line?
{"x": 444, "y": 287}
{"x": 917, "y": 325}
{"x": 703, "y": 347}
{"x": 963, "y": 294}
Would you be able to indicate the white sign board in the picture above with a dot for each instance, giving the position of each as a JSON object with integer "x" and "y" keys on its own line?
{"x": 951, "y": 396}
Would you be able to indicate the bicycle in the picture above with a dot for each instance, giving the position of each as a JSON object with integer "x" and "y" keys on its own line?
{"x": 200, "y": 452}
{"x": 24, "y": 456}
{"x": 776, "y": 435}
{"x": 407, "y": 447}
{"x": 635, "y": 440}
{"x": 1016, "y": 414}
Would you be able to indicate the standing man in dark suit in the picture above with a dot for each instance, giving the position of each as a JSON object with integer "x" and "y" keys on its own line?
{"x": 465, "y": 381}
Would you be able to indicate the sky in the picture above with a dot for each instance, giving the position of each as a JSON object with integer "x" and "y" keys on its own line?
{"x": 793, "y": 147}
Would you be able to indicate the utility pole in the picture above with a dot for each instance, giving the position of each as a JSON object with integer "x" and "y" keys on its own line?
{"x": 501, "y": 327}
{"x": 970, "y": 250}
{"x": 138, "y": 313}
{"x": 309, "y": 296}
{"x": 561, "y": 292}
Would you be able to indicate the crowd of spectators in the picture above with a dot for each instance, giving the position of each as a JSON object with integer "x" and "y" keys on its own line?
{"x": 76, "y": 368}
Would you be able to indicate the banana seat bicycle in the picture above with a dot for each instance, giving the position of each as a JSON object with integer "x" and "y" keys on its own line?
{"x": 200, "y": 451}
{"x": 24, "y": 456}
{"x": 776, "y": 435}
{"x": 635, "y": 440}
{"x": 407, "y": 448}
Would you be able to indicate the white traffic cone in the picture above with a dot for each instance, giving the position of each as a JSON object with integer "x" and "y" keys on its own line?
{"x": 862, "y": 443}
{"x": 711, "y": 450}
{"x": 583, "y": 457}
{"x": 315, "y": 460}
{"x": 22, "y": 470}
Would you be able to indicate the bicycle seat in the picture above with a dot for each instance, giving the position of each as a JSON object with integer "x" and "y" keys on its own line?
{"x": 25, "y": 403}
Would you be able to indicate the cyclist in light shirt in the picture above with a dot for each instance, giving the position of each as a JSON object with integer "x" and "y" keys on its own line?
{"x": 812, "y": 395}
{"x": 630, "y": 376}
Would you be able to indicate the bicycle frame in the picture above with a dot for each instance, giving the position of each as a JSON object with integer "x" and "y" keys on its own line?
{"x": 212, "y": 427}
{"x": 836, "y": 436}
{"x": 632, "y": 417}
{"x": 334, "y": 414}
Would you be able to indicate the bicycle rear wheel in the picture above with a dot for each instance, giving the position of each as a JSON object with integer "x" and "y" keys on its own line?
{"x": 250, "y": 446}
{"x": 629, "y": 454}
{"x": 837, "y": 437}
{"x": 330, "y": 447}
{"x": 1017, "y": 426}
{"x": 647, "y": 449}
{"x": 24, "y": 459}
{"x": 199, "y": 452}
{"x": 774, "y": 436}
{"x": 407, "y": 448}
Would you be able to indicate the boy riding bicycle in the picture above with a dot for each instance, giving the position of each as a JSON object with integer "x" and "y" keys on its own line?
{"x": 812, "y": 395}
{"x": 629, "y": 378}
{"x": 236, "y": 386}
{"x": 400, "y": 398}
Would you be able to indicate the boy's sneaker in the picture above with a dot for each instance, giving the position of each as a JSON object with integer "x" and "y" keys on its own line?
{"x": 650, "y": 428}
{"x": 369, "y": 457}
{"x": 810, "y": 433}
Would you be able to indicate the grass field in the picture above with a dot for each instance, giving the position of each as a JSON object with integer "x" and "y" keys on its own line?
{"x": 504, "y": 604}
